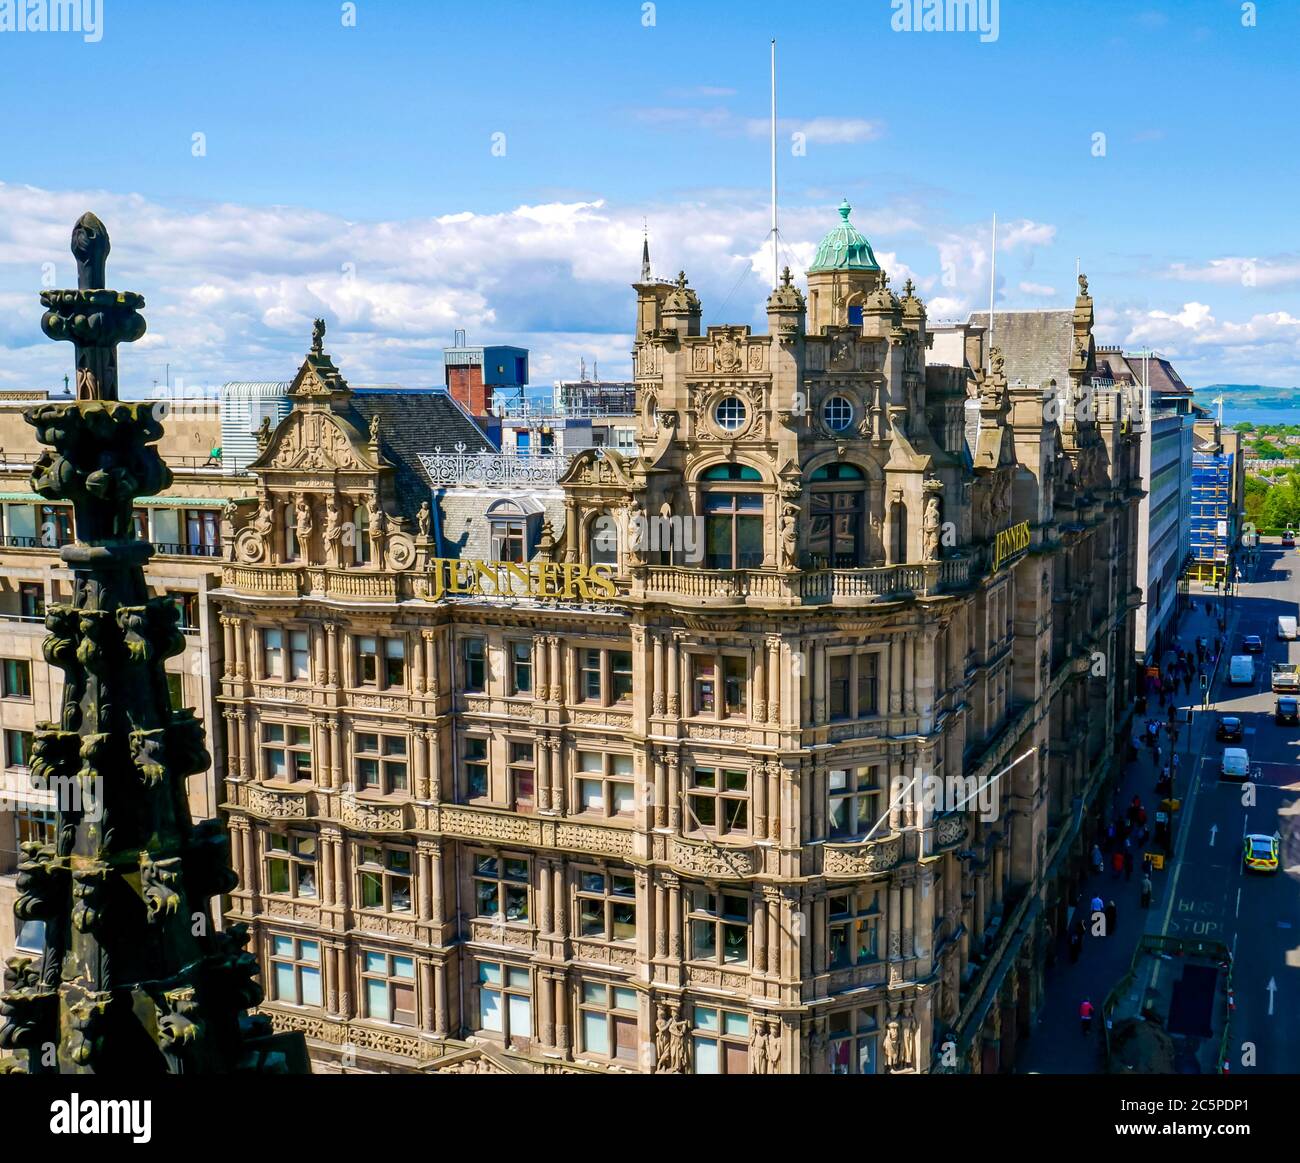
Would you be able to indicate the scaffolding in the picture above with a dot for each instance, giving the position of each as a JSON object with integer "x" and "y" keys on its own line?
{"x": 1212, "y": 518}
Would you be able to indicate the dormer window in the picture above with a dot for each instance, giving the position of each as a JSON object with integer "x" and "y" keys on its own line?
{"x": 514, "y": 524}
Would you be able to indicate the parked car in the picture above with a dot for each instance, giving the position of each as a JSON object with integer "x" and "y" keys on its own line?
{"x": 1229, "y": 729}
{"x": 1260, "y": 853}
{"x": 1286, "y": 711}
{"x": 1288, "y": 539}
{"x": 1235, "y": 764}
{"x": 1286, "y": 627}
{"x": 1252, "y": 644}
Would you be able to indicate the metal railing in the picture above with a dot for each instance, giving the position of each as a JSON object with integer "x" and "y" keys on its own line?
{"x": 177, "y": 549}
{"x": 493, "y": 469}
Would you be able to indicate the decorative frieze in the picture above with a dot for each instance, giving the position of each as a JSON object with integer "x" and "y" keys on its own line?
{"x": 274, "y": 804}
{"x": 862, "y": 859}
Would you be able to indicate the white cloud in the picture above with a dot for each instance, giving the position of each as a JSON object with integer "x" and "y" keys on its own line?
{"x": 1283, "y": 270}
{"x": 1037, "y": 290}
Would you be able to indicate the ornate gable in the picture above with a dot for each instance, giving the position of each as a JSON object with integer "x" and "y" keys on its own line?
{"x": 316, "y": 441}
{"x": 599, "y": 467}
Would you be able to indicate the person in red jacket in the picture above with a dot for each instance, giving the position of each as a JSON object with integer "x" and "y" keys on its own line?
{"x": 1085, "y": 1016}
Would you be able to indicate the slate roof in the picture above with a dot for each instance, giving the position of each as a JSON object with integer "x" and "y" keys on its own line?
{"x": 412, "y": 421}
{"x": 1036, "y": 346}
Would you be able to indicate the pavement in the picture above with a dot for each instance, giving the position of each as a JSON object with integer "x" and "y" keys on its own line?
{"x": 1057, "y": 1045}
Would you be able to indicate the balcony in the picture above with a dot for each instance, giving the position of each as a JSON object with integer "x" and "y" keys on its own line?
{"x": 837, "y": 587}
{"x": 176, "y": 549}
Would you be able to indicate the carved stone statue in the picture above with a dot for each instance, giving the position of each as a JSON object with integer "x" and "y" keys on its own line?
{"x": 302, "y": 523}
{"x": 264, "y": 522}
{"x": 670, "y": 1042}
{"x": 263, "y": 434}
{"x": 930, "y": 547}
{"x": 374, "y": 429}
{"x": 333, "y": 530}
{"x": 789, "y": 533}
{"x": 318, "y": 336}
{"x": 422, "y": 519}
{"x": 893, "y": 1045}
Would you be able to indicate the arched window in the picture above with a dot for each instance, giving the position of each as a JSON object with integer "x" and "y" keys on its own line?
{"x": 835, "y": 539}
{"x": 733, "y": 518}
{"x": 361, "y": 535}
{"x": 602, "y": 540}
{"x": 898, "y": 533}
{"x": 290, "y": 532}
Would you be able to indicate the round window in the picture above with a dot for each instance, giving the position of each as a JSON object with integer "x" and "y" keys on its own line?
{"x": 838, "y": 413}
{"x": 730, "y": 413}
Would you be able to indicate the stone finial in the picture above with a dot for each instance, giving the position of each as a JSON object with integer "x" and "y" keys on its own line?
{"x": 1083, "y": 285}
{"x": 90, "y": 247}
{"x": 318, "y": 337}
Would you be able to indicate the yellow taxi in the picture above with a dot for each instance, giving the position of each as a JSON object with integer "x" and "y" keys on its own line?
{"x": 1260, "y": 853}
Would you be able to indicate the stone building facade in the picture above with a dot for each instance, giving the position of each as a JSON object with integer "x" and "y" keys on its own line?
{"x": 684, "y": 778}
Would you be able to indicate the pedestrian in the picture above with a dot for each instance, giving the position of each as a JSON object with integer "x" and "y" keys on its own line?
{"x": 1097, "y": 905}
{"x": 1085, "y": 1017}
{"x": 1110, "y": 836}
{"x": 1164, "y": 773}
{"x": 1187, "y": 683}
{"x": 1146, "y": 890}
{"x": 1174, "y": 760}
{"x": 1076, "y": 946}
{"x": 1112, "y": 917}
{"x": 1117, "y": 865}
{"x": 1128, "y": 860}
{"x": 1097, "y": 863}
{"x": 1142, "y": 817}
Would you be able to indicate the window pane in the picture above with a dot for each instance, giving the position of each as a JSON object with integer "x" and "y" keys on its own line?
{"x": 706, "y": 1056}
{"x": 489, "y": 1011}
{"x": 595, "y": 1033}
{"x": 284, "y": 987}
{"x": 282, "y": 946}
{"x": 521, "y": 1016}
{"x": 377, "y": 1000}
{"x": 310, "y": 979}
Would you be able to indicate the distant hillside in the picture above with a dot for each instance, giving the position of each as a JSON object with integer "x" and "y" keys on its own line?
{"x": 1249, "y": 396}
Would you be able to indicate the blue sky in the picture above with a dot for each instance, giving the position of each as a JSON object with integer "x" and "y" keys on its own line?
{"x": 350, "y": 172}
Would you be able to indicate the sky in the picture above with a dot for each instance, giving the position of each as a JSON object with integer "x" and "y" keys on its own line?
{"x": 403, "y": 168}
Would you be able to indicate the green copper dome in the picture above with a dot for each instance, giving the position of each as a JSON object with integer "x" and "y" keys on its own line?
{"x": 844, "y": 249}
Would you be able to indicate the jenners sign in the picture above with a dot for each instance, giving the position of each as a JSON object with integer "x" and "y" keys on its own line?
{"x": 1009, "y": 543}
{"x": 563, "y": 581}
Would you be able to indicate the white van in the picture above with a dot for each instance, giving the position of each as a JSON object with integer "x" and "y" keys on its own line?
{"x": 1241, "y": 670}
{"x": 1286, "y": 627}
{"x": 1235, "y": 764}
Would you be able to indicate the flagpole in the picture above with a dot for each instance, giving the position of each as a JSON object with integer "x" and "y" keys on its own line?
{"x": 776, "y": 275}
{"x": 993, "y": 275}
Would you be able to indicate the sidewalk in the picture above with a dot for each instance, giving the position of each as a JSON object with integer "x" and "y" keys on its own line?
{"x": 1056, "y": 1045}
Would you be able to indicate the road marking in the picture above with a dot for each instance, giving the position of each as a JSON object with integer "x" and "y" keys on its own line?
{"x": 1272, "y": 989}
{"x": 1238, "y": 911}
{"x": 1214, "y": 831}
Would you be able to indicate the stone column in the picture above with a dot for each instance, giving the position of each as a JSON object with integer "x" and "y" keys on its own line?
{"x": 336, "y": 756}
{"x": 674, "y": 665}
{"x": 658, "y": 696}
{"x": 774, "y": 808}
{"x": 562, "y": 1035}
{"x": 232, "y": 742}
{"x": 674, "y": 790}
{"x": 325, "y": 878}
{"x": 419, "y": 763}
{"x": 416, "y": 683}
{"x": 541, "y": 670}
{"x": 758, "y": 787}
{"x": 818, "y": 935}
{"x": 543, "y": 776}
{"x": 545, "y": 1012}
{"x": 774, "y": 680}
{"x": 429, "y": 644}
{"x": 758, "y": 654}
{"x": 760, "y": 935}
{"x": 440, "y": 999}
{"x": 427, "y": 1019}
{"x": 661, "y": 790}
{"x": 331, "y": 654}
{"x": 241, "y": 648}
{"x": 241, "y": 730}
{"x": 817, "y": 653}
{"x": 227, "y": 646}
{"x": 672, "y": 888}
{"x": 437, "y": 887}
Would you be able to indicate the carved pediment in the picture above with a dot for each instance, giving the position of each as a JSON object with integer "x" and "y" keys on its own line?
{"x": 600, "y": 467}
{"x": 316, "y": 441}
{"x": 472, "y": 1061}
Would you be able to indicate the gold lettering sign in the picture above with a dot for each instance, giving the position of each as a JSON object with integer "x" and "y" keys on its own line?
{"x": 1010, "y": 542}
{"x": 528, "y": 579}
